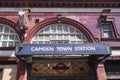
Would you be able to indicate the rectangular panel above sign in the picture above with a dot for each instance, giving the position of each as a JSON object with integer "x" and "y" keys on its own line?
{"x": 5, "y": 53}
{"x": 72, "y": 49}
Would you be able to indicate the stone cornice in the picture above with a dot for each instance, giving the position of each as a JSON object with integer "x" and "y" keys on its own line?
{"x": 62, "y": 3}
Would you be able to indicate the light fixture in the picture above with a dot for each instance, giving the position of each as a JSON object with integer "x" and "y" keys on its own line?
{"x": 59, "y": 18}
{"x": 21, "y": 13}
{"x": 23, "y": 18}
{"x": 104, "y": 15}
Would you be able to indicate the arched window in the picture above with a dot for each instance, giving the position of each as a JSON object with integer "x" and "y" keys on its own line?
{"x": 8, "y": 37}
{"x": 59, "y": 34}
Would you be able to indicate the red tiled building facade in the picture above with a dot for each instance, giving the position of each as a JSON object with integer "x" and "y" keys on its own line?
{"x": 59, "y": 40}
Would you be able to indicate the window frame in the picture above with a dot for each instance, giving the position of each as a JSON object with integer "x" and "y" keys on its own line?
{"x": 112, "y": 26}
{"x": 112, "y": 69}
{"x": 8, "y": 34}
{"x": 60, "y": 35}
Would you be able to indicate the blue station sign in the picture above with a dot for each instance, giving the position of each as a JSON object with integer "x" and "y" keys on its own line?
{"x": 91, "y": 49}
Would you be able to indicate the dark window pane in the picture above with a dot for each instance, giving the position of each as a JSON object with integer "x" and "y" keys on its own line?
{"x": 112, "y": 67}
{"x": 1, "y": 28}
{"x": 11, "y": 37}
{"x": 6, "y": 30}
{"x": 53, "y": 28}
{"x": 16, "y": 43}
{"x": 11, "y": 31}
{"x": 1, "y": 73}
{"x": 78, "y": 36}
{"x": 107, "y": 27}
{"x": 16, "y": 38}
{"x": 65, "y": 28}
{"x": 10, "y": 44}
{"x": 71, "y": 30}
{"x": 4, "y": 44}
{"x": 47, "y": 29}
{"x": 5, "y": 37}
{"x": 108, "y": 34}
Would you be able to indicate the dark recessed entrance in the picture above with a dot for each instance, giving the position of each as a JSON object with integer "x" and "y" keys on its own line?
{"x": 60, "y": 70}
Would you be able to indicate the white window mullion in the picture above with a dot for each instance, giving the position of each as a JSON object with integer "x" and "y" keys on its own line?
{"x": 3, "y": 29}
{"x": 1, "y": 37}
{"x": 6, "y": 40}
{"x": 0, "y": 43}
{"x": 60, "y": 32}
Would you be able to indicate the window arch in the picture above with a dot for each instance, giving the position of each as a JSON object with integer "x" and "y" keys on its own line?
{"x": 59, "y": 34}
{"x": 8, "y": 37}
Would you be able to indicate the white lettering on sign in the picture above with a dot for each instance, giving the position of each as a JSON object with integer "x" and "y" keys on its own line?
{"x": 42, "y": 49}
{"x": 89, "y": 48}
{"x": 64, "y": 48}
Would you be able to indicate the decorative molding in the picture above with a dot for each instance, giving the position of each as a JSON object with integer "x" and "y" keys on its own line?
{"x": 14, "y": 27}
{"x": 61, "y": 3}
{"x": 63, "y": 20}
